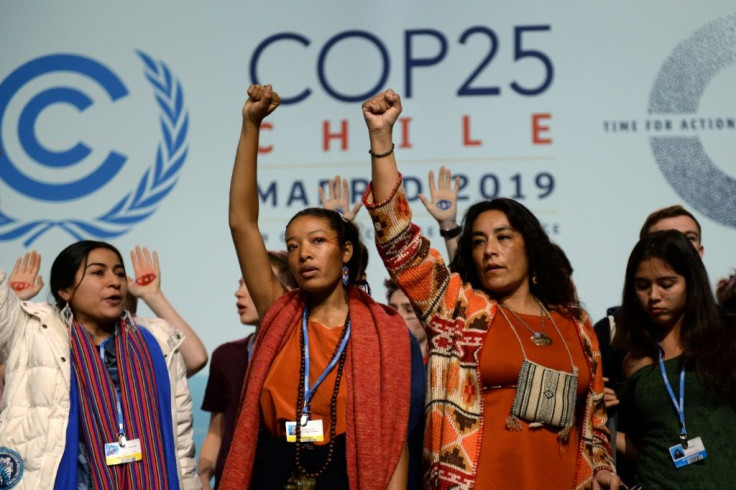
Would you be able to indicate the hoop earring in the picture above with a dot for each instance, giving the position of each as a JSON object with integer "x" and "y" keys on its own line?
{"x": 67, "y": 315}
{"x": 345, "y": 275}
{"x": 534, "y": 279}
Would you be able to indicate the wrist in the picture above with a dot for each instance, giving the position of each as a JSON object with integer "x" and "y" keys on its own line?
{"x": 151, "y": 297}
{"x": 381, "y": 140}
{"x": 452, "y": 232}
{"x": 251, "y": 125}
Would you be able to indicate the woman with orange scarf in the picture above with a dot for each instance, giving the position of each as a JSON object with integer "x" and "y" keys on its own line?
{"x": 326, "y": 399}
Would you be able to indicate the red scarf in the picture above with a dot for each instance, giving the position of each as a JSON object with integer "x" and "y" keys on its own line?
{"x": 98, "y": 409}
{"x": 378, "y": 376}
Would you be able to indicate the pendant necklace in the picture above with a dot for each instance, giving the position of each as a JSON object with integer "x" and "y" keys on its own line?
{"x": 538, "y": 338}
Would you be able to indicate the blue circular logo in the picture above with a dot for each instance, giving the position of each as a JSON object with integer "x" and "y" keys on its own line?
{"x": 138, "y": 203}
{"x": 74, "y": 97}
{"x": 11, "y": 468}
{"x": 678, "y": 90}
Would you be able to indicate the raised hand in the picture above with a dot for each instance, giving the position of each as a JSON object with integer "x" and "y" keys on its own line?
{"x": 382, "y": 111}
{"x": 442, "y": 204}
{"x": 147, "y": 273}
{"x": 24, "y": 280}
{"x": 262, "y": 101}
{"x": 147, "y": 286}
{"x": 339, "y": 198}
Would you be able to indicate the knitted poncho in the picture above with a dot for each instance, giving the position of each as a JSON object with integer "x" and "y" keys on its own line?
{"x": 457, "y": 318}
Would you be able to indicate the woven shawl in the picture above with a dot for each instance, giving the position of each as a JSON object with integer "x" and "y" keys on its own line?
{"x": 377, "y": 372}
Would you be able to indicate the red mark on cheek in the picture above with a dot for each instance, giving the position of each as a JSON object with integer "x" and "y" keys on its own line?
{"x": 145, "y": 279}
{"x": 19, "y": 285}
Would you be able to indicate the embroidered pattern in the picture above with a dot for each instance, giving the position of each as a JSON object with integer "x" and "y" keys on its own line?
{"x": 457, "y": 318}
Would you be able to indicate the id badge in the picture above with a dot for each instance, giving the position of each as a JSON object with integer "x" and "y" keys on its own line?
{"x": 312, "y": 432}
{"x": 117, "y": 454}
{"x": 694, "y": 452}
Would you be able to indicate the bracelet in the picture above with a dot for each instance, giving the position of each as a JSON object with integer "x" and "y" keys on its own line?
{"x": 452, "y": 232}
{"x": 381, "y": 155}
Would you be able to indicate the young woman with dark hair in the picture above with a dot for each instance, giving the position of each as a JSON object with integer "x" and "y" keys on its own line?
{"x": 93, "y": 400}
{"x": 515, "y": 396}
{"x": 327, "y": 394}
{"x": 679, "y": 396}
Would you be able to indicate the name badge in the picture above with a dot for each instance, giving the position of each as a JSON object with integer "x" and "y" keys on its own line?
{"x": 117, "y": 454}
{"x": 694, "y": 452}
{"x": 311, "y": 432}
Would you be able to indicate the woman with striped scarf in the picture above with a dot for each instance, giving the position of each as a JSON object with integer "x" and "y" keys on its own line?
{"x": 92, "y": 399}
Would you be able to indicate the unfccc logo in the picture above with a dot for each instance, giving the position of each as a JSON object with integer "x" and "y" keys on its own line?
{"x": 678, "y": 91}
{"x": 18, "y": 155}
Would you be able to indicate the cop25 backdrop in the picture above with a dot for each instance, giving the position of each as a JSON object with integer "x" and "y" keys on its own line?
{"x": 119, "y": 121}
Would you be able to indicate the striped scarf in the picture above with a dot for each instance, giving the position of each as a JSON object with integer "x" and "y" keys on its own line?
{"x": 139, "y": 402}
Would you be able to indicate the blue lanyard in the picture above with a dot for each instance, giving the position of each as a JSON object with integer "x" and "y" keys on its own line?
{"x": 121, "y": 427}
{"x": 251, "y": 343}
{"x": 309, "y": 391}
{"x": 680, "y": 407}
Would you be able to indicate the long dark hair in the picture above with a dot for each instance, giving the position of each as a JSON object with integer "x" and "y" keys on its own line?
{"x": 67, "y": 263}
{"x": 346, "y": 232}
{"x": 705, "y": 338}
{"x": 553, "y": 287}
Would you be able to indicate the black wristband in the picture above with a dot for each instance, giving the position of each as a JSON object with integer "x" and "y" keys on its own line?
{"x": 452, "y": 232}
{"x": 380, "y": 155}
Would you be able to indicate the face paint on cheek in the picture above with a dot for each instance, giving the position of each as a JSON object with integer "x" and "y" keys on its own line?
{"x": 145, "y": 279}
{"x": 19, "y": 285}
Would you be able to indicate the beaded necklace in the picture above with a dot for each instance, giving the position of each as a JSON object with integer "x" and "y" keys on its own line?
{"x": 302, "y": 472}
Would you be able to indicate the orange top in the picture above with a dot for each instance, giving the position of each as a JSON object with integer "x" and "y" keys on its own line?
{"x": 530, "y": 458}
{"x": 279, "y": 393}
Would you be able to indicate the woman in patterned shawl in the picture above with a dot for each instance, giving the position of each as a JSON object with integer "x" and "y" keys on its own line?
{"x": 515, "y": 389}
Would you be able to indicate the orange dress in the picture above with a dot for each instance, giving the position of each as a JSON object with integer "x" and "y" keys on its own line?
{"x": 279, "y": 393}
{"x": 530, "y": 458}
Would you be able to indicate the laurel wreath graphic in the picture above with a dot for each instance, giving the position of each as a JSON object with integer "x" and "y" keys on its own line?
{"x": 155, "y": 184}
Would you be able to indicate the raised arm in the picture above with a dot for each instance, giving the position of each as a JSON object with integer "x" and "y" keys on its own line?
{"x": 380, "y": 113}
{"x": 12, "y": 317}
{"x": 147, "y": 287}
{"x": 408, "y": 258}
{"x": 249, "y": 245}
{"x": 24, "y": 280}
{"x": 442, "y": 205}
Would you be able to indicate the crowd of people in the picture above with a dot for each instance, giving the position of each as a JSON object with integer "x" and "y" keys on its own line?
{"x": 483, "y": 371}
